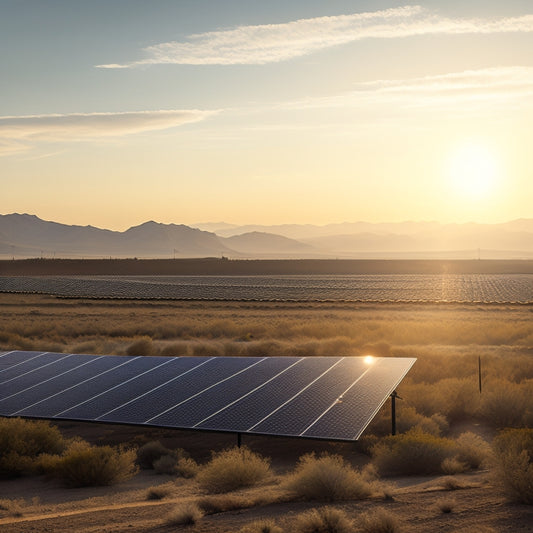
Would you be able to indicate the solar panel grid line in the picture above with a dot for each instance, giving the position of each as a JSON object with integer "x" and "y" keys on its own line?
{"x": 247, "y": 394}
{"x": 6, "y": 353}
{"x": 34, "y": 369}
{"x": 114, "y": 387}
{"x": 241, "y": 416}
{"x": 333, "y": 403}
{"x": 49, "y": 379}
{"x": 72, "y": 386}
{"x": 204, "y": 390}
{"x": 155, "y": 388}
{"x": 295, "y": 396}
{"x": 200, "y": 407}
{"x": 40, "y": 354}
{"x": 294, "y": 417}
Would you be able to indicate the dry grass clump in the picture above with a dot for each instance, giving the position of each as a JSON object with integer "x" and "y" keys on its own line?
{"x": 150, "y": 452}
{"x": 142, "y": 346}
{"x": 262, "y": 526}
{"x": 452, "y": 465}
{"x": 446, "y": 505}
{"x": 328, "y": 478}
{"x": 416, "y": 452}
{"x": 379, "y": 521}
{"x": 12, "y": 507}
{"x": 453, "y": 397}
{"x": 451, "y": 483}
{"x": 513, "y": 451}
{"x": 83, "y": 465}
{"x": 223, "y": 503}
{"x": 23, "y": 442}
{"x": 167, "y": 464}
{"x": 233, "y": 469}
{"x": 159, "y": 492}
{"x": 323, "y": 520}
{"x": 472, "y": 450}
{"x": 163, "y": 460}
{"x": 185, "y": 514}
{"x": 175, "y": 464}
{"x": 505, "y": 404}
{"x": 413, "y": 452}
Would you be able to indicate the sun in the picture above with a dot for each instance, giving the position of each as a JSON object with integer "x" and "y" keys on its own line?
{"x": 474, "y": 170}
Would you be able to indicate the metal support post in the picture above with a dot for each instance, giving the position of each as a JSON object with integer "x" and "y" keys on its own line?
{"x": 393, "y": 396}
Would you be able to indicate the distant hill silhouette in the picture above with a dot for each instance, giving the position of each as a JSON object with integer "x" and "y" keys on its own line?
{"x": 261, "y": 244}
{"x": 23, "y": 235}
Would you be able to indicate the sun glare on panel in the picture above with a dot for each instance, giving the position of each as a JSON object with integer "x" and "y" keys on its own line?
{"x": 369, "y": 359}
{"x": 474, "y": 170}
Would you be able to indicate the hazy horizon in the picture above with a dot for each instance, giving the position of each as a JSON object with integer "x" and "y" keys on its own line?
{"x": 113, "y": 114}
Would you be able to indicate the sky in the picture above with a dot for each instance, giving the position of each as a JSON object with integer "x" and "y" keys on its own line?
{"x": 115, "y": 112}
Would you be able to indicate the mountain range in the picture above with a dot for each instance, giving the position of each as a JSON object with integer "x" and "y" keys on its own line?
{"x": 23, "y": 235}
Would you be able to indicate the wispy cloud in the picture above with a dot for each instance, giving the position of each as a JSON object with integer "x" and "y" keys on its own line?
{"x": 504, "y": 85}
{"x": 271, "y": 43}
{"x": 78, "y": 126}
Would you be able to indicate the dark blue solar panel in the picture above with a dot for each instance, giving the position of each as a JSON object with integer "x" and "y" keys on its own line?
{"x": 199, "y": 378}
{"x": 295, "y": 416}
{"x": 317, "y": 397}
{"x": 191, "y": 411}
{"x": 106, "y": 374}
{"x": 250, "y": 410}
{"x": 37, "y": 366}
{"x": 21, "y": 399}
{"x": 16, "y": 358}
{"x": 141, "y": 371}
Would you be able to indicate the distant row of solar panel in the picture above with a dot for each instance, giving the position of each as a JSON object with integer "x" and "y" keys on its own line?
{"x": 316, "y": 397}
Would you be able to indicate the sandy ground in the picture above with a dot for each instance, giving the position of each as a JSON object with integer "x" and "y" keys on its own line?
{"x": 45, "y": 505}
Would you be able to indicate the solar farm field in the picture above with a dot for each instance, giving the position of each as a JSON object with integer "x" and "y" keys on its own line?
{"x": 462, "y": 288}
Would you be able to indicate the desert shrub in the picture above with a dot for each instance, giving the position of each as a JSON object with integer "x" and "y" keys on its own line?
{"x": 472, "y": 449}
{"x": 413, "y": 452}
{"x": 187, "y": 467}
{"x": 233, "y": 469}
{"x": 446, "y": 505}
{"x": 23, "y": 441}
{"x": 207, "y": 348}
{"x": 175, "y": 349}
{"x": 167, "y": 464}
{"x": 150, "y": 452}
{"x": 262, "y": 526}
{"x": 452, "y": 465}
{"x": 12, "y": 507}
{"x": 513, "y": 451}
{"x": 504, "y": 404}
{"x": 451, "y": 483}
{"x": 222, "y": 503}
{"x": 159, "y": 492}
{"x": 142, "y": 346}
{"x": 84, "y": 465}
{"x": 186, "y": 514}
{"x": 323, "y": 520}
{"x": 328, "y": 478}
{"x": 455, "y": 398}
{"x": 379, "y": 521}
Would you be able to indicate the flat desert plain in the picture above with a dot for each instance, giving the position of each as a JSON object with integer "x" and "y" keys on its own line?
{"x": 440, "y": 395}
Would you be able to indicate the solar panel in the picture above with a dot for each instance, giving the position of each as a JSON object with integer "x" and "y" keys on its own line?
{"x": 332, "y": 398}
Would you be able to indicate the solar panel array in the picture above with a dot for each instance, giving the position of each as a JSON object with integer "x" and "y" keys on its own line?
{"x": 332, "y": 398}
